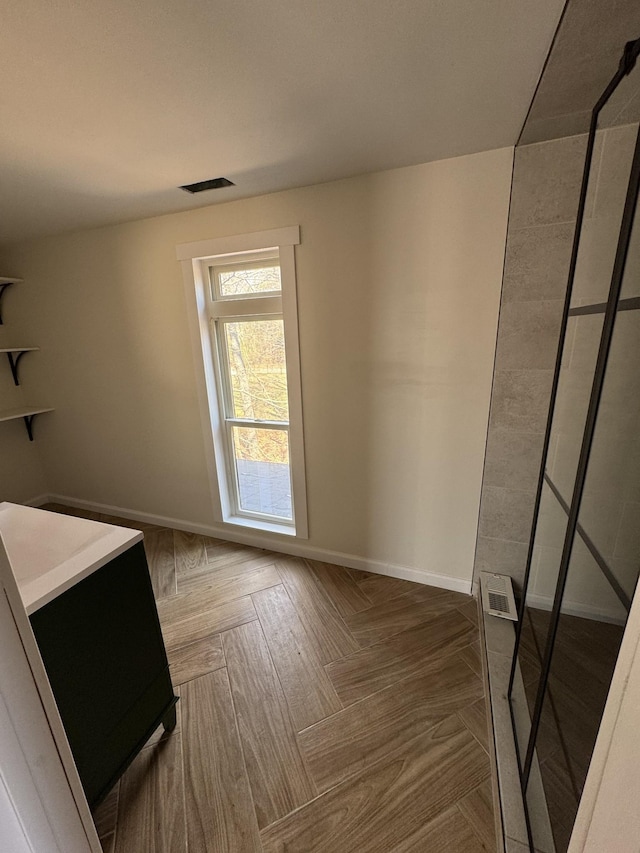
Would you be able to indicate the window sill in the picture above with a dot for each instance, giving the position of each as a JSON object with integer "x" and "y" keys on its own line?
{"x": 255, "y": 524}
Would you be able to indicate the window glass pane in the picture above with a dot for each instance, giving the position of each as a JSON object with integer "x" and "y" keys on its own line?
{"x": 261, "y": 458}
{"x": 257, "y": 370}
{"x": 249, "y": 279}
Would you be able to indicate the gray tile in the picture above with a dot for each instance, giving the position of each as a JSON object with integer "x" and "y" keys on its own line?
{"x": 552, "y": 521}
{"x": 537, "y": 263}
{"x": 500, "y": 635}
{"x": 538, "y": 812}
{"x": 631, "y": 281}
{"x": 501, "y": 556}
{"x": 510, "y": 792}
{"x": 631, "y": 111}
{"x": 632, "y": 485}
{"x": 513, "y": 459}
{"x": 584, "y": 56}
{"x": 594, "y": 264}
{"x": 586, "y": 332}
{"x": 619, "y": 412}
{"x": 618, "y": 102}
{"x": 572, "y": 403}
{"x": 628, "y": 540}
{"x": 562, "y": 463}
{"x": 520, "y": 399}
{"x": 626, "y": 572}
{"x": 594, "y": 169}
{"x": 506, "y": 514}
{"x": 513, "y": 846}
{"x": 625, "y": 347}
{"x": 555, "y": 127}
{"x": 602, "y": 519}
{"x": 615, "y": 168}
{"x": 528, "y": 335}
{"x": 546, "y": 182}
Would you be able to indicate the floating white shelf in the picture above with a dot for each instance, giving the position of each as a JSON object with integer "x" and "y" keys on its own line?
{"x": 23, "y": 412}
{"x": 27, "y": 413}
{"x": 14, "y": 354}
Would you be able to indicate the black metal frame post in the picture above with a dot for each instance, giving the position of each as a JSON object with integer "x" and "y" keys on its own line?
{"x": 13, "y": 364}
{"x": 28, "y": 422}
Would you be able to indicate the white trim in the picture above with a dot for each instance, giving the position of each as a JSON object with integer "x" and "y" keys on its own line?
{"x": 257, "y": 261}
{"x": 253, "y": 522}
{"x": 195, "y": 259}
{"x": 258, "y": 307}
{"x": 38, "y": 501}
{"x": 195, "y": 289}
{"x": 294, "y": 386}
{"x": 239, "y": 243}
{"x": 271, "y": 542}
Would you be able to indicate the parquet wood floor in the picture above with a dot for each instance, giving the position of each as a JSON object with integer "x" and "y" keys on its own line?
{"x": 322, "y": 710}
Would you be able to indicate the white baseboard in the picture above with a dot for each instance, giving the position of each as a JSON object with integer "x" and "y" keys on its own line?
{"x": 574, "y": 608}
{"x": 41, "y": 499}
{"x": 285, "y": 544}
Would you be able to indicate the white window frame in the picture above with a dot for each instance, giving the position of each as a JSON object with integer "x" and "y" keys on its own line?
{"x": 196, "y": 258}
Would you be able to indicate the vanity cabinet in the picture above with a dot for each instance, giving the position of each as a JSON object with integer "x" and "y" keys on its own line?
{"x": 104, "y": 654}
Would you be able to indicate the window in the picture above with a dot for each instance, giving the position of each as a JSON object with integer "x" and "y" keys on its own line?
{"x": 243, "y": 294}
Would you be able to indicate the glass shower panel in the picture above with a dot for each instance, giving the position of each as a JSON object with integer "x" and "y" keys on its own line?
{"x": 581, "y": 578}
{"x": 620, "y": 117}
{"x": 552, "y": 523}
{"x": 610, "y": 507}
{"x": 611, "y": 168}
{"x": 578, "y": 364}
{"x": 631, "y": 281}
{"x": 590, "y": 628}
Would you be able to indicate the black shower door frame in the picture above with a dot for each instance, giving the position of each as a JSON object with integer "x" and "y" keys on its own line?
{"x": 627, "y": 63}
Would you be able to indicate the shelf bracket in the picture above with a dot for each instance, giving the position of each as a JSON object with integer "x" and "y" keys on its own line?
{"x": 13, "y": 364}
{"x": 3, "y": 287}
{"x": 28, "y": 422}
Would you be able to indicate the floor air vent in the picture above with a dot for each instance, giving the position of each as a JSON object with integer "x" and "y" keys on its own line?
{"x": 497, "y": 596}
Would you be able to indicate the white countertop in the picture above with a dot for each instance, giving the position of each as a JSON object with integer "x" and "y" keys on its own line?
{"x": 50, "y": 552}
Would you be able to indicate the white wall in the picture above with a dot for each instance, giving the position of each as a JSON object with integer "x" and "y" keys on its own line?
{"x": 399, "y": 278}
{"x": 22, "y": 475}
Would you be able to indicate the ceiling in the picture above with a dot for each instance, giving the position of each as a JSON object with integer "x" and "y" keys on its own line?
{"x": 108, "y": 105}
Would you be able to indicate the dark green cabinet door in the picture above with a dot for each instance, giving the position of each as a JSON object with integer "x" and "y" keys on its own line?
{"x": 103, "y": 651}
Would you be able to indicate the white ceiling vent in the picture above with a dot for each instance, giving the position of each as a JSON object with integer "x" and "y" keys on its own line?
{"x": 497, "y": 596}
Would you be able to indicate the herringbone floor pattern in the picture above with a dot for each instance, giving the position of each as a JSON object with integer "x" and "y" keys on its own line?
{"x": 323, "y": 710}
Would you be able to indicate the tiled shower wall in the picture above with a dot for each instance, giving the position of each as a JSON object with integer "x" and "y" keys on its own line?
{"x": 609, "y": 510}
{"x": 544, "y": 203}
